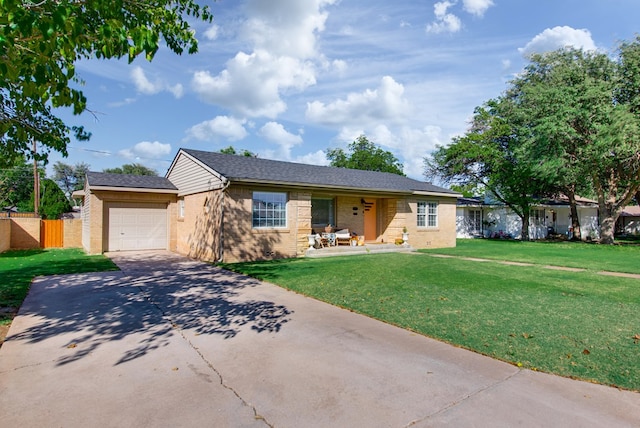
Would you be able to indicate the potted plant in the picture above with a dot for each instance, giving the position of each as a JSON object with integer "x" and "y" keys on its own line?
{"x": 405, "y": 235}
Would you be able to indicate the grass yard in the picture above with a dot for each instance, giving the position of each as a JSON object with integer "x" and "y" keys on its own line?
{"x": 581, "y": 325}
{"x": 18, "y": 268}
{"x": 615, "y": 258}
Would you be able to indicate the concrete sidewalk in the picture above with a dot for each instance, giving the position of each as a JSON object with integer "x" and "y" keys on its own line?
{"x": 173, "y": 342}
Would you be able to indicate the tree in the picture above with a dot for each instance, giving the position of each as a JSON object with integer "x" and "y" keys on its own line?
{"x": 16, "y": 185}
{"x": 244, "y": 152}
{"x": 365, "y": 155}
{"x": 53, "y": 202}
{"x": 571, "y": 124}
{"x": 70, "y": 177}
{"x": 564, "y": 98}
{"x": 133, "y": 168}
{"x": 491, "y": 155}
{"x": 40, "y": 43}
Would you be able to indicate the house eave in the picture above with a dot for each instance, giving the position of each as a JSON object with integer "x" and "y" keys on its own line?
{"x": 133, "y": 189}
{"x": 366, "y": 190}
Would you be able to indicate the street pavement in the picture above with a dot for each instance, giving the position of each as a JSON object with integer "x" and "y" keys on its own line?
{"x": 172, "y": 342}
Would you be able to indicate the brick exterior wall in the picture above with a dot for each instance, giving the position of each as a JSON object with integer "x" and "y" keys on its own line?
{"x": 198, "y": 232}
{"x": 345, "y": 218}
{"x": 5, "y": 234}
{"x": 72, "y": 231}
{"x": 25, "y": 233}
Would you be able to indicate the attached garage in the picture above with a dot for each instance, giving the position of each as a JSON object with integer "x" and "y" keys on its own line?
{"x": 128, "y": 213}
{"x": 136, "y": 226}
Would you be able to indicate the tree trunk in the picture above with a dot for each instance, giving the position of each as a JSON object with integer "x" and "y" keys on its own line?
{"x": 524, "y": 233}
{"x": 575, "y": 219}
{"x": 607, "y": 229}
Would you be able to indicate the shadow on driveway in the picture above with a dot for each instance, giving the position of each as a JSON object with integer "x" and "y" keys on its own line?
{"x": 90, "y": 310}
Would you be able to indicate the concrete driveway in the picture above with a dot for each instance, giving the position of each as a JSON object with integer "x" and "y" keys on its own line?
{"x": 173, "y": 342}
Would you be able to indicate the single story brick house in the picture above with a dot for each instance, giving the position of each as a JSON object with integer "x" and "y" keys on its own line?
{"x": 219, "y": 207}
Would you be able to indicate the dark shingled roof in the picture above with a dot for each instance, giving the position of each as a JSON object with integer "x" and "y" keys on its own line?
{"x": 103, "y": 179}
{"x": 257, "y": 170}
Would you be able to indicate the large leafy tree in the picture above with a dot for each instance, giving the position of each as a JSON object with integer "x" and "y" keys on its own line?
{"x": 53, "y": 202}
{"x": 565, "y": 99}
{"x": 572, "y": 124}
{"x": 491, "y": 155}
{"x": 16, "y": 185}
{"x": 366, "y": 155}
{"x": 132, "y": 168}
{"x": 40, "y": 42}
{"x": 69, "y": 177}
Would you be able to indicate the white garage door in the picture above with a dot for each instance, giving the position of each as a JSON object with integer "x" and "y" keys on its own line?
{"x": 136, "y": 227}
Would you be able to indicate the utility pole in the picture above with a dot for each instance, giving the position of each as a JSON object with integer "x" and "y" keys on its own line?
{"x": 36, "y": 180}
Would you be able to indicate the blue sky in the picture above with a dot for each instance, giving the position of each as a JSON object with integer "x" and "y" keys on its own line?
{"x": 288, "y": 79}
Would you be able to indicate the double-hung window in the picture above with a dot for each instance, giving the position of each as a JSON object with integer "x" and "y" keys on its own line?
{"x": 536, "y": 217}
{"x": 427, "y": 214}
{"x": 269, "y": 209}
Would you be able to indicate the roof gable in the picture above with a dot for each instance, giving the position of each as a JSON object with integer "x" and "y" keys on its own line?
{"x": 258, "y": 170}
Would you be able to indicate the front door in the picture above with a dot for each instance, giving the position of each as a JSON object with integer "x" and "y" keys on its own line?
{"x": 370, "y": 221}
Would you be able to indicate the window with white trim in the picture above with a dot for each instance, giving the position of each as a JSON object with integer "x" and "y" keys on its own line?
{"x": 475, "y": 221}
{"x": 269, "y": 209}
{"x": 427, "y": 214}
{"x": 536, "y": 217}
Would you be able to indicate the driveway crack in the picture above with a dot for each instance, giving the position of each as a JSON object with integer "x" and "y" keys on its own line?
{"x": 464, "y": 399}
{"x": 176, "y": 327}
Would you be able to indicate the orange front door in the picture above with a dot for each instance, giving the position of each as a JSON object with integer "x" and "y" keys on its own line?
{"x": 370, "y": 221}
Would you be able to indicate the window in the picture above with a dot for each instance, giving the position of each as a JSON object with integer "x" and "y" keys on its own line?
{"x": 427, "y": 214}
{"x": 475, "y": 221}
{"x": 180, "y": 208}
{"x": 536, "y": 217}
{"x": 322, "y": 212}
{"x": 269, "y": 209}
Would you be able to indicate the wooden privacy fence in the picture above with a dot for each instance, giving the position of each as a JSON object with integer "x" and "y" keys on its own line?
{"x": 51, "y": 233}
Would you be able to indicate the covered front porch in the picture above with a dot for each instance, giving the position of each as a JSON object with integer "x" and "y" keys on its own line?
{"x": 369, "y": 219}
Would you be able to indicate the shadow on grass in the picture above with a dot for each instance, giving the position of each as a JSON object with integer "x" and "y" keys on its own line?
{"x": 143, "y": 309}
{"x": 263, "y": 270}
{"x": 22, "y": 253}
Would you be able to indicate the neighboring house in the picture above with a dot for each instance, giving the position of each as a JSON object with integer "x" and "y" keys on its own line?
{"x": 476, "y": 217}
{"x": 629, "y": 221}
{"x": 218, "y": 207}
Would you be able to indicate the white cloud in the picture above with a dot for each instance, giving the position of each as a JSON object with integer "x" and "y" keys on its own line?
{"x": 146, "y": 150}
{"x": 124, "y": 102}
{"x": 477, "y": 7}
{"x": 445, "y": 22}
{"x": 283, "y": 58}
{"x": 385, "y": 103}
{"x": 220, "y": 127}
{"x": 251, "y": 84}
{"x": 286, "y": 27}
{"x": 275, "y": 133}
{"x": 147, "y": 87}
{"x": 559, "y": 37}
{"x": 212, "y": 32}
{"x": 316, "y": 158}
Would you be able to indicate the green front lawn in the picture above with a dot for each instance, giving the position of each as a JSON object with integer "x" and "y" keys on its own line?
{"x": 615, "y": 258}
{"x": 581, "y": 325}
{"x": 18, "y": 268}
